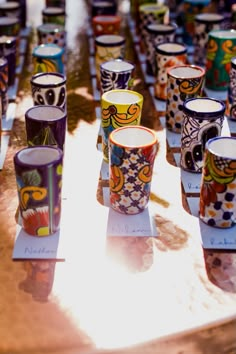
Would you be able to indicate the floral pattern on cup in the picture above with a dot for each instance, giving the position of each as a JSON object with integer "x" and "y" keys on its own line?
{"x": 218, "y": 186}
{"x": 203, "y": 119}
{"x": 180, "y": 87}
{"x": 131, "y": 172}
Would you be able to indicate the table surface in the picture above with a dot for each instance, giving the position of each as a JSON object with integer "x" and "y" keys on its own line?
{"x": 164, "y": 294}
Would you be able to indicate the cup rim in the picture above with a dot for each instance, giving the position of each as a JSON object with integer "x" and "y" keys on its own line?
{"x": 99, "y": 19}
{"x": 161, "y": 28}
{"x": 119, "y": 40}
{"x": 222, "y": 137}
{"x": 105, "y": 94}
{"x": 214, "y": 33}
{"x": 130, "y": 127}
{"x": 45, "y": 107}
{"x": 41, "y": 55}
{"x": 182, "y": 48}
{"x": 62, "y": 76}
{"x": 117, "y": 70}
{"x": 212, "y": 18}
{"x": 25, "y": 164}
{"x": 204, "y": 115}
{"x": 193, "y": 66}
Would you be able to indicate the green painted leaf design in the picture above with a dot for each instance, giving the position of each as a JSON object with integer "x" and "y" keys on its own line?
{"x": 31, "y": 178}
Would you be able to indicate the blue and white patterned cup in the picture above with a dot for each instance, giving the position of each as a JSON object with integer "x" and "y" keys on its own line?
{"x": 115, "y": 74}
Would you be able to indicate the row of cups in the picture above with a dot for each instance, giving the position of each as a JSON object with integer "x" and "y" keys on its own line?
{"x": 39, "y": 166}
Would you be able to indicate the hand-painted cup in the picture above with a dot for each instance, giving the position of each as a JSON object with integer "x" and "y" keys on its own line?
{"x": 218, "y": 184}
{"x": 203, "y": 24}
{"x": 108, "y": 47}
{"x": 49, "y": 89}
{"x": 38, "y": 173}
{"x": 203, "y": 119}
{"x": 231, "y": 94}
{"x": 115, "y": 74}
{"x": 100, "y": 8}
{"x": 156, "y": 34}
{"x": 4, "y": 85}
{"x": 192, "y": 8}
{"x": 150, "y": 13}
{"x": 221, "y": 48}
{"x": 106, "y": 24}
{"x": 167, "y": 55}
{"x": 8, "y": 50}
{"x": 48, "y": 58}
{"x": 183, "y": 82}
{"x": 132, "y": 152}
{"x": 10, "y": 26}
{"x": 46, "y": 125}
{"x": 54, "y": 15}
{"x": 119, "y": 108}
{"x": 10, "y": 9}
{"x": 51, "y": 33}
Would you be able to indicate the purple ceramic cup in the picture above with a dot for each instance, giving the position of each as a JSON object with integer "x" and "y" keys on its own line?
{"x": 46, "y": 125}
{"x": 38, "y": 171}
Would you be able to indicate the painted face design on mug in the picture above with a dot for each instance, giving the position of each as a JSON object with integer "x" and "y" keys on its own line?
{"x": 49, "y": 96}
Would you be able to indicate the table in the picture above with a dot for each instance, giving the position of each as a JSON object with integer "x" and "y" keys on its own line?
{"x": 157, "y": 294}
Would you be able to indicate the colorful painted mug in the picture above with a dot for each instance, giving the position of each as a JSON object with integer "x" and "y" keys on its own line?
{"x": 119, "y": 108}
{"x": 218, "y": 185}
{"x": 115, "y": 74}
{"x": 221, "y": 48}
{"x": 183, "y": 82}
{"x": 203, "y": 119}
{"x": 168, "y": 54}
{"x": 38, "y": 173}
{"x": 231, "y": 94}
{"x": 48, "y": 58}
{"x": 132, "y": 152}
{"x": 46, "y": 125}
{"x": 49, "y": 89}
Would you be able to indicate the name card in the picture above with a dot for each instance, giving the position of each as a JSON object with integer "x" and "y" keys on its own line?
{"x": 31, "y": 247}
{"x": 212, "y": 237}
{"x": 131, "y": 225}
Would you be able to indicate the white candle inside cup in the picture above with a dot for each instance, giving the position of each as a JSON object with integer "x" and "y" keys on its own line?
{"x": 223, "y": 146}
{"x": 46, "y": 113}
{"x": 48, "y": 79}
{"x": 186, "y": 72}
{"x": 48, "y": 50}
{"x": 117, "y": 65}
{"x": 122, "y": 97}
{"x": 204, "y": 105}
{"x": 133, "y": 137}
{"x": 38, "y": 155}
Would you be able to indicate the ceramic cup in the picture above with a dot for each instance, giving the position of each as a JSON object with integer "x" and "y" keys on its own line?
{"x": 10, "y": 26}
{"x": 51, "y": 33}
{"x": 203, "y": 24}
{"x": 231, "y": 94}
{"x": 4, "y": 85}
{"x": 49, "y": 89}
{"x": 192, "y": 8}
{"x": 103, "y": 7}
{"x": 8, "y": 51}
{"x": 221, "y": 48}
{"x": 183, "y": 82}
{"x": 115, "y": 74}
{"x": 56, "y": 3}
{"x": 167, "y": 55}
{"x": 106, "y": 24}
{"x": 218, "y": 184}
{"x": 48, "y": 58}
{"x": 119, "y": 108}
{"x": 54, "y": 14}
{"x": 203, "y": 119}
{"x": 10, "y": 9}
{"x": 132, "y": 152}
{"x": 108, "y": 47}
{"x": 156, "y": 34}
{"x": 46, "y": 125}
{"x": 150, "y": 13}
{"x": 38, "y": 173}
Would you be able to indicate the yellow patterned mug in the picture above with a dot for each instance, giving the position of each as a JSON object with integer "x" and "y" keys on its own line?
{"x": 119, "y": 108}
